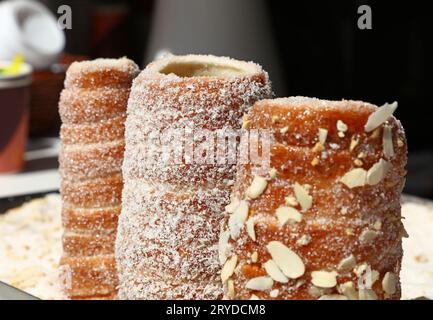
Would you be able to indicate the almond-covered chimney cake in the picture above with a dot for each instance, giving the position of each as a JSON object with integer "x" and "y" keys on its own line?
{"x": 175, "y": 187}
{"x": 325, "y": 221}
{"x": 93, "y": 111}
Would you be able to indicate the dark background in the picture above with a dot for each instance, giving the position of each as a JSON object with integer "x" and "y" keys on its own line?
{"x": 321, "y": 53}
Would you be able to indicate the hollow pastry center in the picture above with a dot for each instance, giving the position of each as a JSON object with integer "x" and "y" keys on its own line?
{"x": 201, "y": 69}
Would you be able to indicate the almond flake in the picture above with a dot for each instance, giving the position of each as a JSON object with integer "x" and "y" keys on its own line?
{"x": 273, "y": 173}
{"x": 257, "y": 187}
{"x": 353, "y": 143}
{"x": 254, "y": 297}
{"x": 349, "y": 231}
{"x": 229, "y": 268}
{"x": 250, "y": 229}
{"x": 318, "y": 147}
{"x": 260, "y": 283}
{"x": 291, "y": 201}
{"x": 354, "y": 178}
{"x": 347, "y": 263}
{"x": 231, "y": 207}
{"x": 254, "y": 257}
{"x": 341, "y": 126}
{"x": 274, "y": 272}
{"x": 322, "y": 134}
{"x": 223, "y": 246}
{"x": 368, "y": 235}
{"x": 246, "y": 121}
{"x": 238, "y": 218}
{"x": 388, "y": 147}
{"x": 367, "y": 294}
{"x": 324, "y": 279}
{"x": 377, "y": 225}
{"x": 380, "y": 116}
{"x": 303, "y": 240}
{"x": 274, "y": 119}
{"x": 274, "y": 293}
{"x": 358, "y": 162}
{"x": 230, "y": 289}
{"x": 304, "y": 199}
{"x": 341, "y": 134}
{"x": 333, "y": 297}
{"x": 361, "y": 155}
{"x": 285, "y": 214}
{"x": 348, "y": 289}
{"x": 315, "y": 162}
{"x": 389, "y": 283}
{"x": 377, "y": 172}
{"x": 288, "y": 261}
{"x": 400, "y": 143}
{"x": 284, "y": 130}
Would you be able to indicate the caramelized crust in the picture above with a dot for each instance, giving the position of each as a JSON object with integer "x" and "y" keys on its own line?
{"x": 362, "y": 221}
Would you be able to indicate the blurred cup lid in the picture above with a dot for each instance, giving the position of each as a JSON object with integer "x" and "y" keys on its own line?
{"x": 20, "y": 79}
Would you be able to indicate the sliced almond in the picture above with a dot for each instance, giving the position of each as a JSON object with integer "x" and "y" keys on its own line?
{"x": 348, "y": 289}
{"x": 250, "y": 229}
{"x": 353, "y": 143}
{"x": 333, "y": 297}
{"x": 254, "y": 297}
{"x": 377, "y": 225}
{"x": 322, "y": 134}
{"x": 246, "y": 121}
{"x": 377, "y": 172}
{"x": 324, "y": 279}
{"x": 223, "y": 246}
{"x": 257, "y": 187}
{"x": 230, "y": 289}
{"x": 304, "y": 199}
{"x": 389, "y": 283}
{"x": 380, "y": 116}
{"x": 315, "y": 162}
{"x": 318, "y": 147}
{"x": 288, "y": 261}
{"x": 354, "y": 178}
{"x": 303, "y": 240}
{"x": 341, "y": 134}
{"x": 400, "y": 143}
{"x": 368, "y": 235}
{"x": 274, "y": 293}
{"x": 367, "y": 294}
{"x": 388, "y": 146}
{"x": 284, "y": 214}
{"x": 260, "y": 283}
{"x": 273, "y": 173}
{"x": 291, "y": 201}
{"x": 274, "y": 119}
{"x": 231, "y": 207}
{"x": 229, "y": 268}
{"x": 358, "y": 162}
{"x": 274, "y": 272}
{"x": 341, "y": 126}
{"x": 347, "y": 263}
{"x": 284, "y": 130}
{"x": 238, "y": 218}
{"x": 254, "y": 257}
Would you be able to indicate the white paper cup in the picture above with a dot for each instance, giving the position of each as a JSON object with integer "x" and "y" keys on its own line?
{"x": 28, "y": 28}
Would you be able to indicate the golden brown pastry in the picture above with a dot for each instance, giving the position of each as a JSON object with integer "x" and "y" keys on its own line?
{"x": 325, "y": 221}
{"x": 93, "y": 110}
{"x": 167, "y": 239}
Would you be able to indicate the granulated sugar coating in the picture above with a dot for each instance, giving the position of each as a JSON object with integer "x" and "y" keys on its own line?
{"x": 171, "y": 212}
{"x": 93, "y": 110}
{"x": 326, "y": 219}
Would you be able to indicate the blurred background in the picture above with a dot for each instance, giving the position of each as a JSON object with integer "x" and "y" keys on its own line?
{"x": 312, "y": 48}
